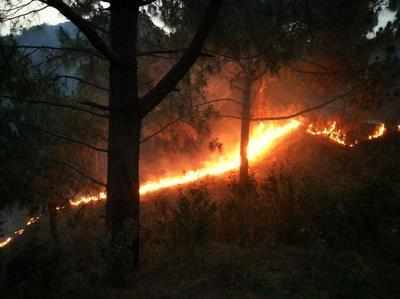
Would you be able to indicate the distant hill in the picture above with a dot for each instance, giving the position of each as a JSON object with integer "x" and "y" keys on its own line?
{"x": 45, "y": 34}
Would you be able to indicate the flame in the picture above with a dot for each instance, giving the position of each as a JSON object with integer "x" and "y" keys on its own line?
{"x": 18, "y": 232}
{"x": 32, "y": 220}
{"x": 262, "y": 138}
{"x": 379, "y": 132}
{"x": 332, "y": 132}
{"x": 337, "y": 135}
{"x": 83, "y": 200}
{"x": 5, "y": 242}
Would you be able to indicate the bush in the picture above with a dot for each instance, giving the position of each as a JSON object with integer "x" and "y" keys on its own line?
{"x": 193, "y": 219}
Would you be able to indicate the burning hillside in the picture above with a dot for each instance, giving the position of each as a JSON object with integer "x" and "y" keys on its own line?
{"x": 264, "y": 137}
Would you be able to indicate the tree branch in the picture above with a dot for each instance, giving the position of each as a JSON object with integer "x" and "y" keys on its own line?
{"x": 171, "y": 79}
{"x": 95, "y": 105}
{"x": 81, "y": 80}
{"x": 84, "y": 26}
{"x": 78, "y": 171}
{"x": 310, "y": 109}
{"x": 146, "y": 2}
{"x": 17, "y": 7}
{"x": 160, "y": 130}
{"x": 60, "y": 136}
{"x": 81, "y": 50}
{"x": 237, "y": 102}
{"x": 25, "y": 14}
{"x": 54, "y": 104}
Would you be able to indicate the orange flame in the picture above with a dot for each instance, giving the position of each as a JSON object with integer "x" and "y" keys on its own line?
{"x": 379, "y": 132}
{"x": 18, "y": 232}
{"x": 83, "y": 200}
{"x": 262, "y": 138}
{"x": 5, "y": 242}
{"x": 337, "y": 135}
{"x": 332, "y": 132}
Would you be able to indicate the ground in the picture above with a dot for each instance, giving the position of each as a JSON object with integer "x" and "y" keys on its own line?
{"x": 319, "y": 221}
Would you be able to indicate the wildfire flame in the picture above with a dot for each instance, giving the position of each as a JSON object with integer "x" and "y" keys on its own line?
{"x": 83, "y": 200}
{"x": 379, "y": 132}
{"x": 19, "y": 232}
{"x": 332, "y": 132}
{"x": 263, "y": 138}
{"x": 336, "y": 135}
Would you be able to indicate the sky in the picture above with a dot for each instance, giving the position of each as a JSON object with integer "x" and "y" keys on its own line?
{"x": 47, "y": 16}
{"x": 52, "y": 17}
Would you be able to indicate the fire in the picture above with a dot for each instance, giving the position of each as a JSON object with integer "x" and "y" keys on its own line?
{"x": 335, "y": 134}
{"x": 262, "y": 138}
{"x": 19, "y": 232}
{"x": 332, "y": 132}
{"x": 379, "y": 132}
{"x": 5, "y": 242}
{"x": 83, "y": 200}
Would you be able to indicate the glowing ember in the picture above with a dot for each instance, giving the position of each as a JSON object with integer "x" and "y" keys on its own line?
{"x": 379, "y": 132}
{"x": 19, "y": 232}
{"x": 32, "y": 221}
{"x": 5, "y": 242}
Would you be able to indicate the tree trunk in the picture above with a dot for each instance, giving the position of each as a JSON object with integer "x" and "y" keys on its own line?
{"x": 124, "y": 137}
{"x": 244, "y": 133}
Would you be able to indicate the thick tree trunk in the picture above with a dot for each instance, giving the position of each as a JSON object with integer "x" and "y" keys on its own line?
{"x": 122, "y": 209}
{"x": 244, "y": 133}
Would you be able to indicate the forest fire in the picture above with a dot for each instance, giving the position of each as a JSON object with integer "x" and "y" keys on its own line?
{"x": 337, "y": 135}
{"x": 263, "y": 138}
{"x": 331, "y": 131}
{"x": 19, "y": 232}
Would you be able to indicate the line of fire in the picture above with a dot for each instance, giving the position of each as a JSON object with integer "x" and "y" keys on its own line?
{"x": 262, "y": 140}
